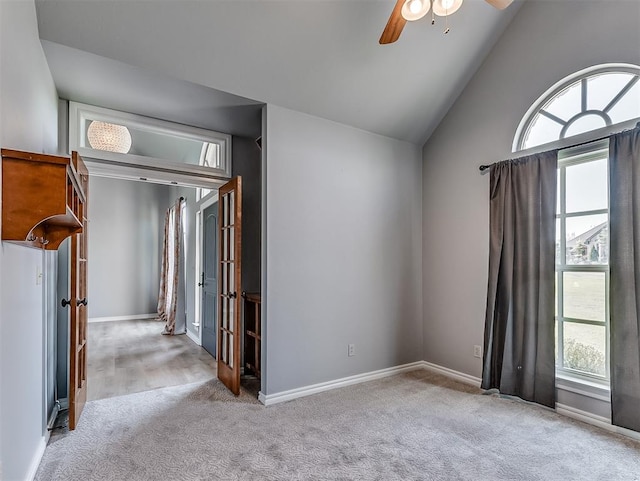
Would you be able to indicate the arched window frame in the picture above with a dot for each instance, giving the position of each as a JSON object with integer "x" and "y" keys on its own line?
{"x": 582, "y": 75}
{"x": 577, "y": 150}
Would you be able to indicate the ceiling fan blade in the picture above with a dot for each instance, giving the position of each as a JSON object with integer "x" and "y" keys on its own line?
{"x": 499, "y": 4}
{"x": 394, "y": 26}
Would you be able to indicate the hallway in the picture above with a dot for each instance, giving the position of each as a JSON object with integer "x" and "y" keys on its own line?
{"x": 126, "y": 357}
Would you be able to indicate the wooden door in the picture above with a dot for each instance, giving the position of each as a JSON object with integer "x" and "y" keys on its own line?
{"x": 78, "y": 299}
{"x": 209, "y": 278}
{"x": 229, "y": 280}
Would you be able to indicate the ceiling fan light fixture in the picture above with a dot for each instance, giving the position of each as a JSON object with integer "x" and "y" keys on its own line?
{"x": 443, "y": 8}
{"x": 413, "y": 10}
{"x": 109, "y": 137}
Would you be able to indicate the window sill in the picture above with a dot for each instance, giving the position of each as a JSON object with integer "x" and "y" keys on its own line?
{"x": 584, "y": 387}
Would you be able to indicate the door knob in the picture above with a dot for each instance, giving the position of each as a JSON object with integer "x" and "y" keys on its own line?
{"x": 65, "y": 302}
{"x": 82, "y": 302}
{"x": 232, "y": 295}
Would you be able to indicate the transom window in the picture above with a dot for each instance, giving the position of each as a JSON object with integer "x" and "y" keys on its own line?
{"x": 589, "y": 100}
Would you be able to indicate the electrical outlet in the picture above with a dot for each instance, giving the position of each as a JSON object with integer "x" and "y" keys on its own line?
{"x": 351, "y": 351}
{"x": 477, "y": 351}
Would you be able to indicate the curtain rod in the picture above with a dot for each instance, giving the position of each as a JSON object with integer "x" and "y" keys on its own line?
{"x": 482, "y": 168}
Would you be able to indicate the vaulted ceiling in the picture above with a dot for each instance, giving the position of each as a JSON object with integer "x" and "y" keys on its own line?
{"x": 180, "y": 59}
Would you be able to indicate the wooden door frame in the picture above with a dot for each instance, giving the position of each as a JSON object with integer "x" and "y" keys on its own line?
{"x": 78, "y": 311}
{"x": 229, "y": 372}
{"x": 116, "y": 172}
{"x": 203, "y": 204}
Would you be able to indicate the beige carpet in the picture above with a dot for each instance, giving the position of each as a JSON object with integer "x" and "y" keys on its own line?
{"x": 416, "y": 426}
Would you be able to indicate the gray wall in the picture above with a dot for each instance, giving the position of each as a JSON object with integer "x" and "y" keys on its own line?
{"x": 125, "y": 245}
{"x": 546, "y": 42}
{"x": 343, "y": 251}
{"x": 28, "y": 121}
{"x": 246, "y": 163}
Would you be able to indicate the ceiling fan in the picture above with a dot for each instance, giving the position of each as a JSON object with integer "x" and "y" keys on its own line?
{"x": 411, "y": 10}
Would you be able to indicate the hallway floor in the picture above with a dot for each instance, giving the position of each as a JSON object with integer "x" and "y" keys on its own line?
{"x": 126, "y": 357}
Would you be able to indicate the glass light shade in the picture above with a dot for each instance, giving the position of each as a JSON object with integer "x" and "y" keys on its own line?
{"x": 109, "y": 137}
{"x": 443, "y": 8}
{"x": 415, "y": 9}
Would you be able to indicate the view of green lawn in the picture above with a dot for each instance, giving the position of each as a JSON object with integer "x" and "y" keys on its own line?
{"x": 584, "y": 298}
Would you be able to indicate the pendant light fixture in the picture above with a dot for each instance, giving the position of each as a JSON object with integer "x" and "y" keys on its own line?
{"x": 109, "y": 137}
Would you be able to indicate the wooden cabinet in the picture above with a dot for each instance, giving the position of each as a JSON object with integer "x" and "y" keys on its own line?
{"x": 252, "y": 336}
{"x": 42, "y": 199}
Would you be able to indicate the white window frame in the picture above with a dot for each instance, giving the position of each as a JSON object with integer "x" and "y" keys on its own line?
{"x": 567, "y": 158}
{"x": 130, "y": 165}
{"x": 531, "y": 114}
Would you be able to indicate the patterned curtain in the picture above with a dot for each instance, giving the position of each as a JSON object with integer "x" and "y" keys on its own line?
{"x": 171, "y": 296}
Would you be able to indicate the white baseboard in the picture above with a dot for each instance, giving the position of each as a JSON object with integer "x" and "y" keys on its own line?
{"x": 123, "y": 318}
{"x": 270, "y": 399}
{"x": 193, "y": 337}
{"x": 594, "y": 420}
{"x": 457, "y": 375}
{"x": 37, "y": 457}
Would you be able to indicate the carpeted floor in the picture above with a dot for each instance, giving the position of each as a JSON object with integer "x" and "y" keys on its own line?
{"x": 415, "y": 426}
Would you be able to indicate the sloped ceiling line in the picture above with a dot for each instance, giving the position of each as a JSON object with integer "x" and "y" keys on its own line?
{"x": 317, "y": 57}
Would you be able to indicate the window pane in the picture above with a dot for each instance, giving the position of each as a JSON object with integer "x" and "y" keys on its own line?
{"x": 587, "y": 186}
{"x": 584, "y": 295}
{"x": 567, "y": 103}
{"x": 585, "y": 123}
{"x": 556, "y": 300}
{"x": 542, "y": 131}
{"x": 584, "y": 347}
{"x": 170, "y": 148}
{"x": 587, "y": 240}
{"x": 559, "y": 259}
{"x": 628, "y": 107}
{"x": 601, "y": 89}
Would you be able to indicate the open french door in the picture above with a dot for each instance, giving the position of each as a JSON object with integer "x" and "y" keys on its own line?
{"x": 78, "y": 304}
{"x": 229, "y": 280}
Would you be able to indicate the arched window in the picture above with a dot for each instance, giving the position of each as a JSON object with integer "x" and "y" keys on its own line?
{"x": 588, "y": 100}
{"x": 594, "y": 102}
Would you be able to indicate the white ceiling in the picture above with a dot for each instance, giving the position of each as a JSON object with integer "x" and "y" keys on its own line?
{"x": 316, "y": 56}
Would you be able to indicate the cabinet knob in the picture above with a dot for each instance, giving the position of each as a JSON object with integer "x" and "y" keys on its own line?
{"x": 82, "y": 302}
{"x": 65, "y": 302}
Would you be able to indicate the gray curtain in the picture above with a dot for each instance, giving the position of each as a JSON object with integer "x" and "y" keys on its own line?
{"x": 624, "y": 238}
{"x": 519, "y": 338}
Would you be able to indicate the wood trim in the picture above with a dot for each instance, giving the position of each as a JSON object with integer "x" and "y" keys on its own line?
{"x": 78, "y": 324}
{"x": 229, "y": 374}
{"x": 51, "y": 159}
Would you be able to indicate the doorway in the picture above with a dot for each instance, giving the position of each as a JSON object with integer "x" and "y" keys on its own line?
{"x": 127, "y": 351}
{"x": 209, "y": 276}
